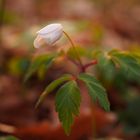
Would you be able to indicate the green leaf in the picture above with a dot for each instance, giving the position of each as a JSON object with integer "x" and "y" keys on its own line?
{"x": 96, "y": 90}
{"x": 68, "y": 100}
{"x": 52, "y": 86}
{"x": 37, "y": 63}
{"x": 127, "y": 62}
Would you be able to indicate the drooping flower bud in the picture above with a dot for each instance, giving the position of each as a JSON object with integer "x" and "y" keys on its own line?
{"x": 49, "y": 34}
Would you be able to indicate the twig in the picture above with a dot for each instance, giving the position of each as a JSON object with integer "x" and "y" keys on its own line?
{"x": 94, "y": 62}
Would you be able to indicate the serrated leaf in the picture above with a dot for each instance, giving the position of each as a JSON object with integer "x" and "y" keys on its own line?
{"x": 96, "y": 90}
{"x": 127, "y": 62}
{"x": 37, "y": 62}
{"x": 68, "y": 100}
{"x": 52, "y": 86}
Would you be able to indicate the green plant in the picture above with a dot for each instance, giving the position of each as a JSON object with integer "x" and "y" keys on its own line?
{"x": 68, "y": 97}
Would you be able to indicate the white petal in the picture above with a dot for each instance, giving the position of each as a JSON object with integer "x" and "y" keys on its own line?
{"x": 50, "y": 28}
{"x": 50, "y": 34}
{"x": 38, "y": 41}
{"x": 51, "y": 38}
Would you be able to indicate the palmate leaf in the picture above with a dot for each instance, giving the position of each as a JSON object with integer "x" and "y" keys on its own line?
{"x": 127, "y": 62}
{"x": 96, "y": 90}
{"x": 37, "y": 63}
{"x": 68, "y": 100}
{"x": 52, "y": 86}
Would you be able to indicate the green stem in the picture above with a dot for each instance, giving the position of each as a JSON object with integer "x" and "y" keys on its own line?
{"x": 76, "y": 52}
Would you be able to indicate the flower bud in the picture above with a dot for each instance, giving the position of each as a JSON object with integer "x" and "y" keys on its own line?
{"x": 49, "y": 34}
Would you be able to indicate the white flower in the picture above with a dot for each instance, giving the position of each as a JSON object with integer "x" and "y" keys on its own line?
{"x": 49, "y": 34}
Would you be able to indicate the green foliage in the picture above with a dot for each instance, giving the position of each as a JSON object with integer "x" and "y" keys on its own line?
{"x": 96, "y": 90}
{"x": 42, "y": 60}
{"x": 68, "y": 100}
{"x": 68, "y": 97}
{"x": 52, "y": 86}
{"x": 127, "y": 62}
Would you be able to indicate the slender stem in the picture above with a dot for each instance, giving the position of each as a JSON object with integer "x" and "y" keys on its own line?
{"x": 82, "y": 67}
{"x": 78, "y": 57}
{"x": 74, "y": 62}
{"x": 94, "y": 62}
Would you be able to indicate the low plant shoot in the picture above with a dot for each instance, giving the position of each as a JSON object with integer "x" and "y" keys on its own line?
{"x": 68, "y": 96}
